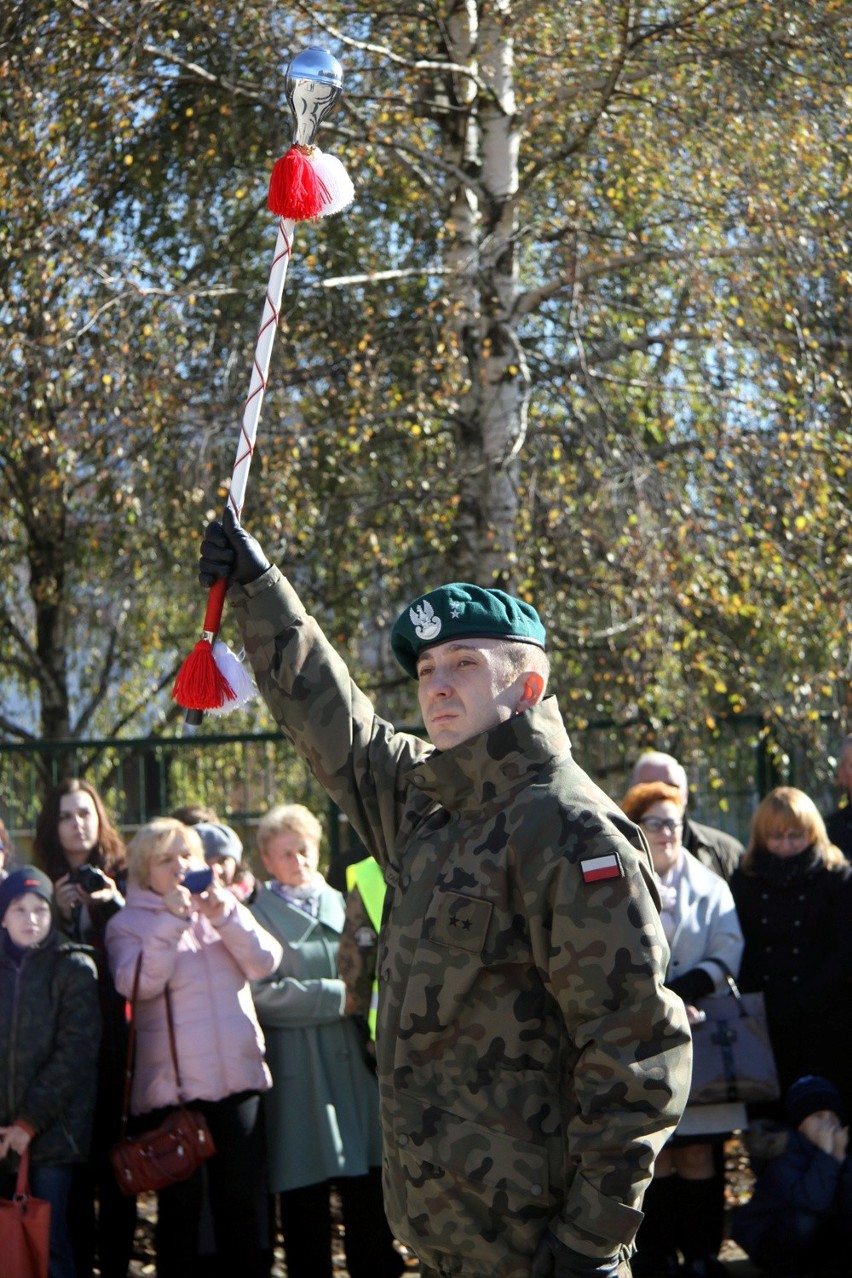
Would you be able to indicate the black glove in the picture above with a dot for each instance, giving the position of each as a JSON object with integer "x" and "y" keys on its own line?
{"x": 554, "y": 1260}
{"x": 693, "y": 985}
{"x": 228, "y": 551}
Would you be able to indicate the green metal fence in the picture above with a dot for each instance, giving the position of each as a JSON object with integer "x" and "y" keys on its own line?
{"x": 730, "y": 766}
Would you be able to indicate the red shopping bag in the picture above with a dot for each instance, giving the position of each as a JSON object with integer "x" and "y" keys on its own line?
{"x": 24, "y": 1229}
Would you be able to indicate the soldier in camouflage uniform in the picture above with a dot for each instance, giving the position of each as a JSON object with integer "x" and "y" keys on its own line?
{"x": 531, "y": 1063}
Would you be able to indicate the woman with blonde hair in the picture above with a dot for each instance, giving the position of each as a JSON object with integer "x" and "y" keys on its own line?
{"x": 198, "y": 950}
{"x": 793, "y": 892}
{"x": 323, "y": 1114}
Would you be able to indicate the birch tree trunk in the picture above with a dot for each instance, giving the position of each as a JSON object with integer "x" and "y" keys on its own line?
{"x": 482, "y": 141}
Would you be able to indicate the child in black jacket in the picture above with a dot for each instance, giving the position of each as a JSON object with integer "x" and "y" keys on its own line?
{"x": 799, "y": 1218}
{"x": 50, "y": 1029}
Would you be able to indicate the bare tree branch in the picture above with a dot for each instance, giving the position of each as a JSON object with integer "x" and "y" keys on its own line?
{"x": 532, "y": 299}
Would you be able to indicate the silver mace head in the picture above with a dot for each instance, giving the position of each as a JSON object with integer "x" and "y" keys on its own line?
{"x": 313, "y": 85}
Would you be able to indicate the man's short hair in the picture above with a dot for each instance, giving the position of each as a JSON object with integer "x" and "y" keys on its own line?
{"x": 526, "y": 656}
{"x": 658, "y": 762}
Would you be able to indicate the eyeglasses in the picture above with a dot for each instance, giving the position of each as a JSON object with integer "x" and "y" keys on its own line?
{"x": 656, "y": 825}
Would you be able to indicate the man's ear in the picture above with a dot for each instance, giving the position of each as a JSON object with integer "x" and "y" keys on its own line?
{"x": 532, "y": 690}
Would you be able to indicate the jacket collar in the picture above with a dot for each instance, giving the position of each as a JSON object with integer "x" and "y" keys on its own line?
{"x": 143, "y": 898}
{"x": 496, "y": 763}
{"x": 294, "y": 925}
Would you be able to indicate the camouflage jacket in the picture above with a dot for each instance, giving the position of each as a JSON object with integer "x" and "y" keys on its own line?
{"x": 531, "y": 1063}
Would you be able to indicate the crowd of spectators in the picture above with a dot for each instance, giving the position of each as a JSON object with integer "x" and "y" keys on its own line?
{"x": 270, "y": 983}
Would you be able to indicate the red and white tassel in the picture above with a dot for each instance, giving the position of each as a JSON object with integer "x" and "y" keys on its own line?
{"x": 336, "y": 181}
{"x": 306, "y": 184}
{"x": 296, "y": 191}
{"x": 200, "y": 684}
{"x": 237, "y": 677}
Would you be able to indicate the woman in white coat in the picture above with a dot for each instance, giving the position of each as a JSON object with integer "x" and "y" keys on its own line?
{"x": 684, "y": 1203}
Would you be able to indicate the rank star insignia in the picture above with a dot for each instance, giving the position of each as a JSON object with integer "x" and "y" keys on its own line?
{"x": 457, "y": 921}
{"x": 455, "y": 610}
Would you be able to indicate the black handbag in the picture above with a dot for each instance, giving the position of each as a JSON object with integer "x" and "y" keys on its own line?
{"x": 170, "y": 1152}
{"x": 732, "y": 1058}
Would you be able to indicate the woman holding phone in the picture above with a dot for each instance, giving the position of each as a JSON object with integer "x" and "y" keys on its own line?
{"x": 199, "y": 950}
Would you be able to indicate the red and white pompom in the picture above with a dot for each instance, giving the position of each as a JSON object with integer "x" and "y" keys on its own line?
{"x": 336, "y": 181}
{"x": 306, "y": 184}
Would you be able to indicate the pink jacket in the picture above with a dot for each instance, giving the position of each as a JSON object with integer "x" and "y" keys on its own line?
{"x": 219, "y": 1042}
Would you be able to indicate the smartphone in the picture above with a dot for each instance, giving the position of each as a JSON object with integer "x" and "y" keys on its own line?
{"x": 197, "y": 881}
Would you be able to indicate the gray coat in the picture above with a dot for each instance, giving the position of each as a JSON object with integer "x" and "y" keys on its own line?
{"x": 323, "y": 1112}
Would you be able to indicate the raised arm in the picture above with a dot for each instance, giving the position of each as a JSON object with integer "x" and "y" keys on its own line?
{"x": 357, "y": 757}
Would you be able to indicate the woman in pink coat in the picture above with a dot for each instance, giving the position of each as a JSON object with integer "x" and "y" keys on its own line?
{"x": 203, "y": 949}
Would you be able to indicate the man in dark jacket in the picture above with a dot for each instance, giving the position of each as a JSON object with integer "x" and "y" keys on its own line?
{"x": 531, "y": 1063}
{"x": 720, "y": 852}
{"x": 839, "y": 823}
{"x": 50, "y": 1027}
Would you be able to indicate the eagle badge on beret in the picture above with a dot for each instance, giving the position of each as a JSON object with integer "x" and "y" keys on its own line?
{"x": 426, "y": 625}
{"x": 462, "y": 610}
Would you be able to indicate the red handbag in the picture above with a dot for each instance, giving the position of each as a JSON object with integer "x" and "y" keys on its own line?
{"x": 25, "y": 1229}
{"x": 171, "y": 1152}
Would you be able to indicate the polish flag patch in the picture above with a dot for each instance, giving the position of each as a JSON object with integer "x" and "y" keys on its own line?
{"x": 601, "y": 867}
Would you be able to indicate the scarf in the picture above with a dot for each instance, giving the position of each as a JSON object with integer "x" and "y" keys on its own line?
{"x": 305, "y": 898}
{"x": 784, "y": 871}
{"x": 667, "y": 886}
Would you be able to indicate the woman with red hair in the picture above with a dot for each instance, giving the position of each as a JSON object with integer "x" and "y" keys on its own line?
{"x": 684, "y": 1203}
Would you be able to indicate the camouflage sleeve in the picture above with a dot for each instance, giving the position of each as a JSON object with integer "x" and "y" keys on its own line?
{"x": 356, "y": 957}
{"x": 358, "y": 758}
{"x": 602, "y": 954}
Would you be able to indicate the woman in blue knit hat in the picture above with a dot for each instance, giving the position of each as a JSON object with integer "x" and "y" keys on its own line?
{"x": 50, "y": 1029}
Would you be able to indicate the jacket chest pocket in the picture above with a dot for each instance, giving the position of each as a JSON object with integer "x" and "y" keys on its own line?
{"x": 459, "y": 921}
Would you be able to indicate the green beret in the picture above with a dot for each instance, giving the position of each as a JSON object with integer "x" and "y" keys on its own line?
{"x": 462, "y": 611}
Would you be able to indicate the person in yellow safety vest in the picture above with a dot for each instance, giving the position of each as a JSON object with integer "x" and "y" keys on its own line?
{"x": 359, "y": 942}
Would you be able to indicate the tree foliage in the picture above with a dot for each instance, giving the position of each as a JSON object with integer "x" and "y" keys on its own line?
{"x": 585, "y": 334}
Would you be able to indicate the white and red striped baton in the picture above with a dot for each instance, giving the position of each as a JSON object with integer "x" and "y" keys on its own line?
{"x": 305, "y": 184}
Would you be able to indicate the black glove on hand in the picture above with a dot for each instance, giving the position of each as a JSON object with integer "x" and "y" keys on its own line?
{"x": 554, "y": 1260}
{"x": 228, "y": 551}
{"x": 693, "y": 985}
